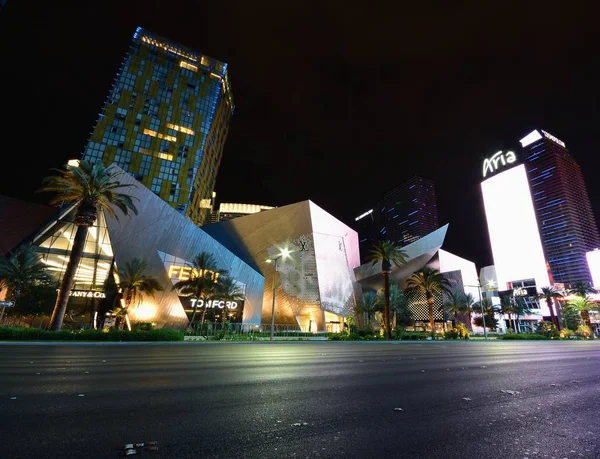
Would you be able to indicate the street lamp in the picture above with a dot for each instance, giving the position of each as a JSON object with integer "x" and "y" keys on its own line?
{"x": 284, "y": 253}
{"x": 481, "y": 306}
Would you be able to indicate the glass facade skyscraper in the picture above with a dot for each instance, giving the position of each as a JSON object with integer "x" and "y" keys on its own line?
{"x": 165, "y": 122}
{"x": 404, "y": 214}
{"x": 566, "y": 222}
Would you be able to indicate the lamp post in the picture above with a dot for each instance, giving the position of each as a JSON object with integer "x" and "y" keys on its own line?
{"x": 284, "y": 254}
{"x": 485, "y": 337}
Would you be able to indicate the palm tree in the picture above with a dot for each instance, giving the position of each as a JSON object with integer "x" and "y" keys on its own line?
{"x": 582, "y": 289}
{"x": 92, "y": 187}
{"x": 388, "y": 253}
{"x": 432, "y": 283}
{"x": 399, "y": 305}
{"x": 455, "y": 304}
{"x": 20, "y": 271}
{"x": 507, "y": 306}
{"x": 583, "y": 305}
{"x": 368, "y": 305}
{"x": 469, "y": 305}
{"x": 228, "y": 291}
{"x": 134, "y": 284}
{"x": 521, "y": 308}
{"x": 201, "y": 283}
{"x": 550, "y": 294}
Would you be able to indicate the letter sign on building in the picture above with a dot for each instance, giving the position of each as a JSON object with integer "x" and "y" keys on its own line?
{"x": 498, "y": 160}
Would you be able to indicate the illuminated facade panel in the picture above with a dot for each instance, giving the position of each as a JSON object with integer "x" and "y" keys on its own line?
{"x": 229, "y": 210}
{"x": 316, "y": 255}
{"x": 593, "y": 259}
{"x": 165, "y": 121}
{"x": 513, "y": 230}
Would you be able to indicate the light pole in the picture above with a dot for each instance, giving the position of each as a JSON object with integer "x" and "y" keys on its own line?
{"x": 481, "y": 306}
{"x": 284, "y": 254}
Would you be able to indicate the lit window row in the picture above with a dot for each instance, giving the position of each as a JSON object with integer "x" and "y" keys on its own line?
{"x": 169, "y": 48}
{"x": 165, "y": 156}
{"x": 170, "y": 138}
{"x": 188, "y": 66}
{"x": 180, "y": 128}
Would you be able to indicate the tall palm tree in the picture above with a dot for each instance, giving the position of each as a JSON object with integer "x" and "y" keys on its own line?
{"x": 92, "y": 187}
{"x": 455, "y": 303}
{"x": 368, "y": 305}
{"x": 550, "y": 294}
{"x": 432, "y": 283}
{"x": 399, "y": 305}
{"x": 20, "y": 271}
{"x": 228, "y": 290}
{"x": 583, "y": 305}
{"x": 507, "y": 306}
{"x": 469, "y": 304}
{"x": 388, "y": 253}
{"x": 201, "y": 283}
{"x": 582, "y": 289}
{"x": 521, "y": 308}
{"x": 135, "y": 284}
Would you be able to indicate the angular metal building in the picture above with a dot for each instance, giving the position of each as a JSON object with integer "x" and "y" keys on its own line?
{"x": 312, "y": 257}
{"x": 162, "y": 237}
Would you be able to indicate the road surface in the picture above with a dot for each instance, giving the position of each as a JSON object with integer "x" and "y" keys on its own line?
{"x": 302, "y": 400}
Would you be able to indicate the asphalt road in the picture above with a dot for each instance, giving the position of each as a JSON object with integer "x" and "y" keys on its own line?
{"x": 302, "y": 400}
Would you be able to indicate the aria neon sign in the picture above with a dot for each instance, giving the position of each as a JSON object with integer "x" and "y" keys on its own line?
{"x": 499, "y": 159}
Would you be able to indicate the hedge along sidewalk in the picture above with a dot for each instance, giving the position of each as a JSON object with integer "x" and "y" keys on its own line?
{"x": 35, "y": 334}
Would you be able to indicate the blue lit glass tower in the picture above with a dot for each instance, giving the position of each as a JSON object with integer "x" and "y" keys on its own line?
{"x": 566, "y": 222}
{"x": 404, "y": 214}
{"x": 165, "y": 122}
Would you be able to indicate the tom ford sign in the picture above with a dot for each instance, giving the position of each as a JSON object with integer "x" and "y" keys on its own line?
{"x": 497, "y": 161}
{"x": 220, "y": 304}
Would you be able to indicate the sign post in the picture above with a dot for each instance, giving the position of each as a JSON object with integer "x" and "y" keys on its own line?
{"x": 5, "y": 304}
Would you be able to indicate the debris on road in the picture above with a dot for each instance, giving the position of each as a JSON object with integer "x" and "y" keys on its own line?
{"x": 13, "y": 398}
{"x": 300, "y": 423}
{"x": 398, "y": 409}
{"x": 511, "y": 392}
{"x": 466, "y": 399}
{"x": 80, "y": 395}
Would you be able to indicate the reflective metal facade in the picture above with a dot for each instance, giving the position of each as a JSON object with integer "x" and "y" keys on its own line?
{"x": 315, "y": 283}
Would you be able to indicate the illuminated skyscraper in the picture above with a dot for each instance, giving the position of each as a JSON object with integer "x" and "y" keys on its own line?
{"x": 565, "y": 219}
{"x": 539, "y": 216}
{"x": 165, "y": 122}
{"x": 403, "y": 215}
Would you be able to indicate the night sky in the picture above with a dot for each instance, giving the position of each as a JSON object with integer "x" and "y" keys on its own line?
{"x": 335, "y": 103}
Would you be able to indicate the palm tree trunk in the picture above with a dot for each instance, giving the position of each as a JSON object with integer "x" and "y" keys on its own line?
{"x": 510, "y": 322}
{"x": 194, "y": 314}
{"x": 386, "y": 309}
{"x": 552, "y": 316}
{"x": 431, "y": 317}
{"x": 585, "y": 315}
{"x": 60, "y": 307}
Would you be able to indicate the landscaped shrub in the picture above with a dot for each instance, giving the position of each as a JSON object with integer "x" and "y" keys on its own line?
{"x": 19, "y": 333}
{"x": 524, "y": 336}
{"x": 583, "y": 331}
{"x": 463, "y": 332}
{"x": 451, "y": 333}
{"x": 565, "y": 333}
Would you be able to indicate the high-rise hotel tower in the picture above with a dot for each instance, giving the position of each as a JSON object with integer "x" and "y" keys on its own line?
{"x": 165, "y": 122}
{"x": 539, "y": 216}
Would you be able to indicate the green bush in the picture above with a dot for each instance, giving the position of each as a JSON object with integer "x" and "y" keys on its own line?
{"x": 451, "y": 333}
{"x": 19, "y": 333}
{"x": 565, "y": 333}
{"x": 404, "y": 335}
{"x": 143, "y": 326}
{"x": 583, "y": 331}
{"x": 524, "y": 336}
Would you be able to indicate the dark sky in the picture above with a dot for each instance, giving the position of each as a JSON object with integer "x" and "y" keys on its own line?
{"x": 335, "y": 101}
